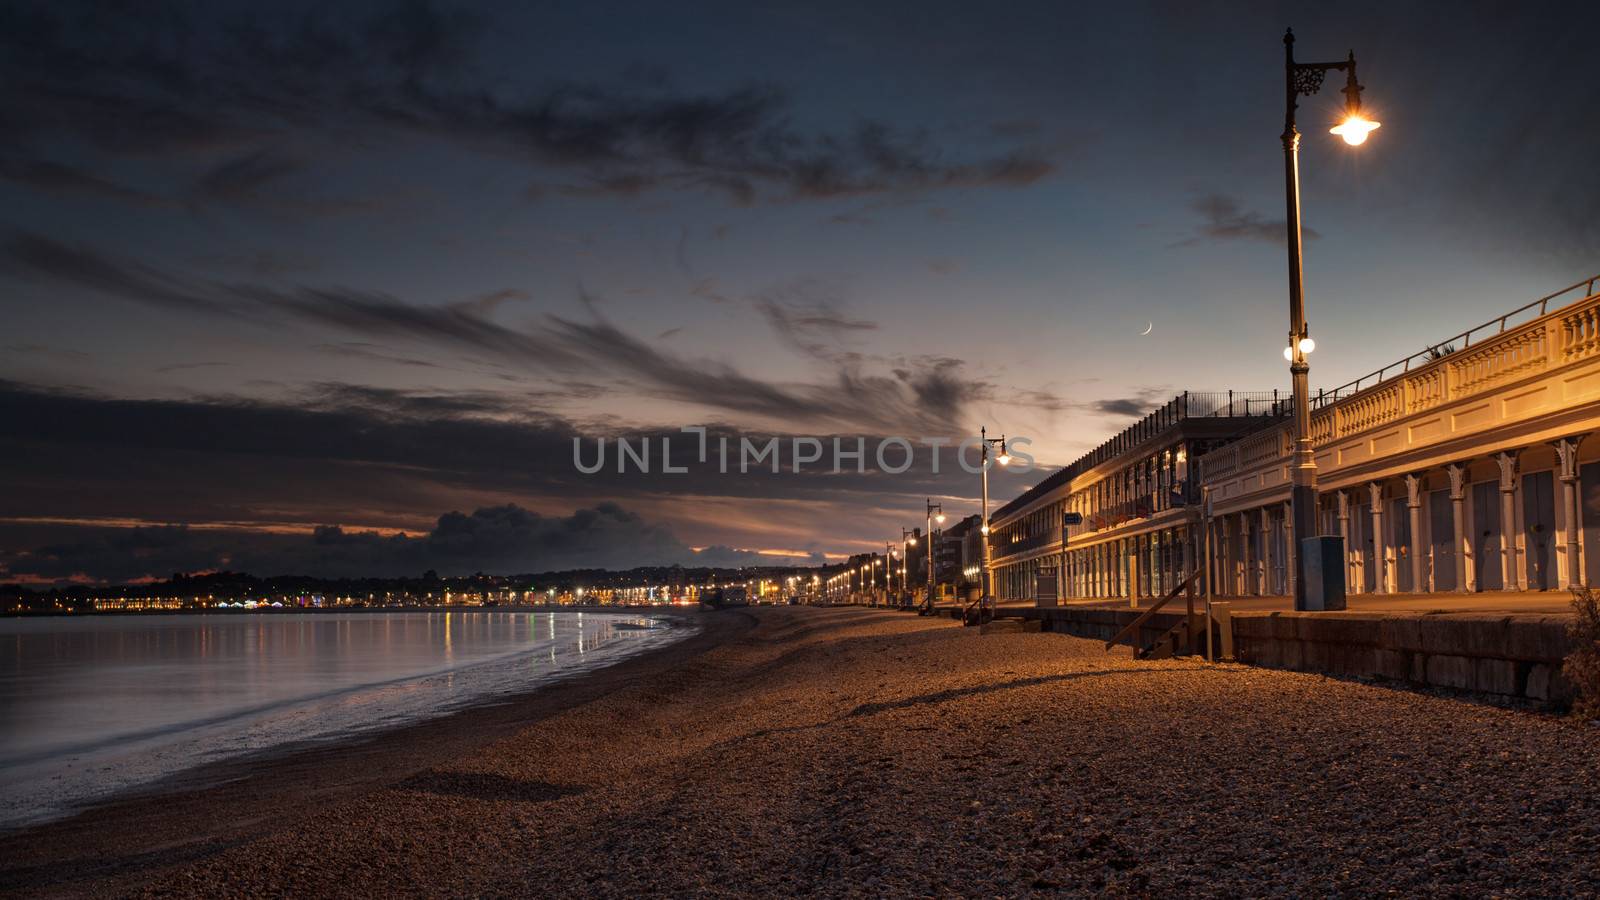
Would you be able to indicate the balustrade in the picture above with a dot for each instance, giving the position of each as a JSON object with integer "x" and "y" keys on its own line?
{"x": 1426, "y": 389}
{"x": 1499, "y": 360}
{"x": 1580, "y": 334}
{"x": 1368, "y": 410}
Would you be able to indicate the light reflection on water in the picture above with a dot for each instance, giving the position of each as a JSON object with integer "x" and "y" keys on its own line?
{"x": 94, "y": 705}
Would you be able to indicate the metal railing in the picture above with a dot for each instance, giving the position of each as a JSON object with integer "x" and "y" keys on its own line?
{"x": 1449, "y": 345}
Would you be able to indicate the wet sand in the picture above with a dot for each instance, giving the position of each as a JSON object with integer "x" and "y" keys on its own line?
{"x": 860, "y": 752}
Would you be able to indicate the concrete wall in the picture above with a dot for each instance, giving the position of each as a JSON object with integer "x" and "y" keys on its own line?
{"x": 1508, "y": 656}
{"x": 1512, "y": 656}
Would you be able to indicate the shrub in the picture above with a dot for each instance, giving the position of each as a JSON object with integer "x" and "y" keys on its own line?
{"x": 1582, "y": 666}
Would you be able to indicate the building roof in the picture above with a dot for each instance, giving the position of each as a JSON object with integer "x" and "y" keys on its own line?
{"x": 1248, "y": 409}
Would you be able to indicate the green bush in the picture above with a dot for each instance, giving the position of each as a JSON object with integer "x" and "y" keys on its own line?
{"x": 1582, "y": 666}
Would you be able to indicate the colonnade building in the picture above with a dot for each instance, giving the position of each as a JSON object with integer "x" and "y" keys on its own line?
{"x": 1138, "y": 498}
{"x": 1466, "y": 467}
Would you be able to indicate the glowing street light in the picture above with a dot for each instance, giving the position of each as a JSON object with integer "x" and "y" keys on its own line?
{"x": 935, "y": 513}
{"x": 986, "y": 600}
{"x": 908, "y": 539}
{"x": 1354, "y": 129}
{"x": 1306, "y": 78}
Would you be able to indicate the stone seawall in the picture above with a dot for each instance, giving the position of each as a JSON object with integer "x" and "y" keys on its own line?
{"x": 1497, "y": 654}
{"x": 1508, "y": 655}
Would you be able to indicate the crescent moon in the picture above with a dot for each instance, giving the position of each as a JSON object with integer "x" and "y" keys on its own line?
{"x": 1148, "y": 327}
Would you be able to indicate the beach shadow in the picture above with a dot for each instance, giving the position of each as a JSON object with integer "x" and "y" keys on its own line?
{"x": 485, "y": 786}
{"x": 867, "y": 709}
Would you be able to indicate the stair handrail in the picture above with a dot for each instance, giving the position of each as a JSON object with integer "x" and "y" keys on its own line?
{"x": 1133, "y": 627}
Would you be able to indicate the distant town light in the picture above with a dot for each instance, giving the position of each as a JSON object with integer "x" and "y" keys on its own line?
{"x": 1307, "y": 345}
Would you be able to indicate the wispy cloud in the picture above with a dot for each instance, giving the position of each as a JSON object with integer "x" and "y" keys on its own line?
{"x": 59, "y": 178}
{"x": 110, "y": 76}
{"x": 921, "y": 401}
{"x": 1222, "y": 219}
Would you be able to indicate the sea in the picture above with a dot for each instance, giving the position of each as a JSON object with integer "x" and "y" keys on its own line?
{"x": 96, "y": 706}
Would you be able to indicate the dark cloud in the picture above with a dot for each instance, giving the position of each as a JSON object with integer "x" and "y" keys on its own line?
{"x": 1145, "y": 400}
{"x": 58, "y": 178}
{"x": 242, "y": 179}
{"x": 114, "y": 76}
{"x": 805, "y": 317}
{"x": 32, "y": 254}
{"x": 185, "y": 367}
{"x": 46, "y": 351}
{"x": 559, "y": 345}
{"x": 377, "y": 353}
{"x": 1225, "y": 221}
{"x": 501, "y": 539}
{"x": 369, "y": 455}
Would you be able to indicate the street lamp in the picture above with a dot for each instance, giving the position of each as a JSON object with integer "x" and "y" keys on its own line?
{"x": 1306, "y": 78}
{"x": 987, "y": 598}
{"x": 908, "y": 539}
{"x": 889, "y": 556}
{"x": 931, "y": 509}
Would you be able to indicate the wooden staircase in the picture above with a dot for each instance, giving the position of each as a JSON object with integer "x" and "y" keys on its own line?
{"x": 1187, "y": 638}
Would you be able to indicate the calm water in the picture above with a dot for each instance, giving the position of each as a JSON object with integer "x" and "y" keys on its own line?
{"x": 94, "y": 705}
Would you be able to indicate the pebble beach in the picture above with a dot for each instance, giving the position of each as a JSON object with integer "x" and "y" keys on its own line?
{"x": 855, "y": 752}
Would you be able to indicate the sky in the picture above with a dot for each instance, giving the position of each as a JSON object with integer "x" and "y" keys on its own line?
{"x": 332, "y": 289}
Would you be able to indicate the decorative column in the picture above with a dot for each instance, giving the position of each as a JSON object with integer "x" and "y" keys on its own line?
{"x": 1264, "y": 561}
{"x": 1414, "y": 507}
{"x": 1247, "y": 552}
{"x": 1458, "y": 520}
{"x": 1379, "y": 563}
{"x": 1567, "y": 452}
{"x": 1102, "y": 575}
{"x": 1219, "y": 556}
{"x": 1351, "y": 582}
{"x": 1508, "y": 515}
{"x": 1291, "y": 552}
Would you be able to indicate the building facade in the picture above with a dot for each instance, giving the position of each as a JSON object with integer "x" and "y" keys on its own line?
{"x": 1468, "y": 467}
{"x": 1471, "y": 466}
{"x": 1138, "y": 500}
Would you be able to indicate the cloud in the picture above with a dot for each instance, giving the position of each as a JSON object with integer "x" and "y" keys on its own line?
{"x": 64, "y": 354}
{"x": 59, "y": 178}
{"x": 112, "y": 76}
{"x": 1225, "y": 221}
{"x": 920, "y": 404}
{"x": 184, "y": 367}
{"x": 502, "y": 539}
{"x": 340, "y": 453}
{"x": 804, "y": 316}
{"x": 265, "y": 485}
{"x": 242, "y": 179}
{"x": 1145, "y": 400}
{"x": 35, "y": 255}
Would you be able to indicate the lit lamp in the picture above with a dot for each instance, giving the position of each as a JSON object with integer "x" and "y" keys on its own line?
{"x": 987, "y": 598}
{"x": 930, "y": 508}
{"x": 1306, "y": 79}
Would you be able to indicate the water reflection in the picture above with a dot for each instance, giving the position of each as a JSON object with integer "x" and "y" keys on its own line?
{"x": 89, "y": 705}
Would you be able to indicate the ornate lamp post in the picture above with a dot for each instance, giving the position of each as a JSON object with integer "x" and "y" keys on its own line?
{"x": 908, "y": 539}
{"x": 987, "y": 599}
{"x": 934, "y": 511}
{"x": 889, "y": 557}
{"x": 1306, "y": 78}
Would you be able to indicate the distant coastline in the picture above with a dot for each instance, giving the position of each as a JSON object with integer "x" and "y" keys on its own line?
{"x": 653, "y": 609}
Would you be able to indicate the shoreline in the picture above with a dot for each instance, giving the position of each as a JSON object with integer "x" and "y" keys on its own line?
{"x": 653, "y": 608}
{"x": 859, "y": 752}
{"x": 199, "y": 810}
